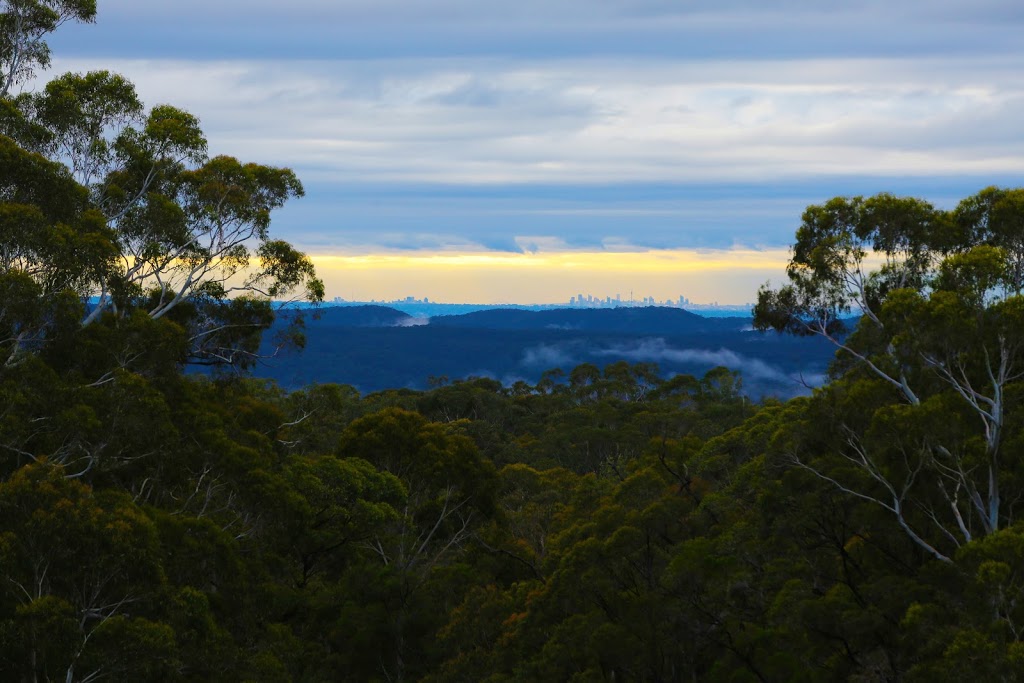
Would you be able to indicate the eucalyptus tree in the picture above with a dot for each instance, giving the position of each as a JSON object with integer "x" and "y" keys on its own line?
{"x": 24, "y": 25}
{"x": 51, "y": 244}
{"x": 161, "y": 226}
{"x": 449, "y": 492}
{"x": 81, "y": 585}
{"x": 928, "y": 378}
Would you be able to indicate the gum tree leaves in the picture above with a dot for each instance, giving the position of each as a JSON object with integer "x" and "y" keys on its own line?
{"x": 940, "y": 323}
{"x": 24, "y": 24}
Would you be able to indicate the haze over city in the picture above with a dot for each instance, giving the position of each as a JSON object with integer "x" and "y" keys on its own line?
{"x": 524, "y": 152}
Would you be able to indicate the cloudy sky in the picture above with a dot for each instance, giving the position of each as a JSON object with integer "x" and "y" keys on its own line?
{"x": 484, "y": 150}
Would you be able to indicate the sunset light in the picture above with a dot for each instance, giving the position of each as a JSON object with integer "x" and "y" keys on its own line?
{"x": 727, "y": 275}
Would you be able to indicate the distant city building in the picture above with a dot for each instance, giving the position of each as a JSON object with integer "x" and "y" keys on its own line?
{"x": 425, "y": 307}
{"x": 590, "y": 301}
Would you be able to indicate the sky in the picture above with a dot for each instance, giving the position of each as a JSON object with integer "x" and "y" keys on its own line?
{"x": 523, "y": 152}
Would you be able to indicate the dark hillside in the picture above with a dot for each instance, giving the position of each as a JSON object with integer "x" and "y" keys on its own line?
{"x": 646, "y": 320}
{"x": 361, "y": 316}
{"x": 373, "y": 358}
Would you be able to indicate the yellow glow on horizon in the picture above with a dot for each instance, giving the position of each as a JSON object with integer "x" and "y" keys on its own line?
{"x": 664, "y": 260}
{"x": 703, "y": 276}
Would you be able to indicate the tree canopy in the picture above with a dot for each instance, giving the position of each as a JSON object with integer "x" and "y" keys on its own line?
{"x": 932, "y": 367}
{"x": 120, "y": 206}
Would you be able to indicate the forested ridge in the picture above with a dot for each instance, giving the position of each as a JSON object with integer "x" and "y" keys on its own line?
{"x": 340, "y": 348}
{"x": 607, "y": 523}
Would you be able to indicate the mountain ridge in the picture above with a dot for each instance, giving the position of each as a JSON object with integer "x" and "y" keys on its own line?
{"x": 638, "y": 320}
{"x": 375, "y": 348}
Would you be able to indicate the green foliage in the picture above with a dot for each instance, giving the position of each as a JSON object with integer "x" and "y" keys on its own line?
{"x": 317, "y": 536}
{"x": 76, "y": 563}
{"x": 100, "y": 198}
{"x": 23, "y": 26}
{"x": 938, "y": 336}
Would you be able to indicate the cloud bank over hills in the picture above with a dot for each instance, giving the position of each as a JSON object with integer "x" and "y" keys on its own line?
{"x": 615, "y": 125}
{"x": 608, "y": 127}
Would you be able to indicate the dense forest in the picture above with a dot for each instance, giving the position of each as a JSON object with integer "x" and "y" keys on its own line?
{"x": 603, "y": 524}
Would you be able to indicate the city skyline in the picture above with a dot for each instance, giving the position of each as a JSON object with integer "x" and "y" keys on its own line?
{"x": 727, "y": 276}
{"x": 578, "y": 301}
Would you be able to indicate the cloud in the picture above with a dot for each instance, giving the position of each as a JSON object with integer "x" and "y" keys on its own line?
{"x": 546, "y": 357}
{"x": 598, "y": 122}
{"x": 729, "y": 29}
{"x": 657, "y": 351}
{"x": 412, "y": 321}
{"x": 616, "y": 125}
{"x": 759, "y": 377}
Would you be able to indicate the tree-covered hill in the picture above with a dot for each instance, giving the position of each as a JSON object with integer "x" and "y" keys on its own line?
{"x": 338, "y": 317}
{"x": 638, "y": 320}
{"x": 374, "y": 351}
